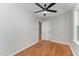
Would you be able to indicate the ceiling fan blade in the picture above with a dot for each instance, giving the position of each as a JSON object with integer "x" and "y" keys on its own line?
{"x": 50, "y": 5}
{"x": 52, "y": 10}
{"x": 39, "y": 5}
{"x": 38, "y": 11}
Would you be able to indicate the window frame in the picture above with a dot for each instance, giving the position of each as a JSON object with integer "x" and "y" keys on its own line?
{"x": 76, "y": 25}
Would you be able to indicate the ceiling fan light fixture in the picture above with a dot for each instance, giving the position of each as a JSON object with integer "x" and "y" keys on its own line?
{"x": 45, "y": 12}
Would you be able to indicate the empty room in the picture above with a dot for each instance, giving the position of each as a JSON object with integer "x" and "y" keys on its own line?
{"x": 39, "y": 29}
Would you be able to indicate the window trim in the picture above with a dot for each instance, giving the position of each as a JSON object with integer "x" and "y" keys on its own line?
{"x": 75, "y": 26}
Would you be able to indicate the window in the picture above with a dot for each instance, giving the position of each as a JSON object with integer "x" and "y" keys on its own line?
{"x": 76, "y": 27}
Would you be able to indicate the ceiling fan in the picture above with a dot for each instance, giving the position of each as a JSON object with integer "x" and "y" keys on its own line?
{"x": 45, "y": 8}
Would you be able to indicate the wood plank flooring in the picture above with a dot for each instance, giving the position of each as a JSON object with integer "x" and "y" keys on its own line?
{"x": 47, "y": 48}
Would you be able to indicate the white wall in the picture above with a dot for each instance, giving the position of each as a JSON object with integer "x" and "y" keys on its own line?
{"x": 18, "y": 28}
{"x": 60, "y": 28}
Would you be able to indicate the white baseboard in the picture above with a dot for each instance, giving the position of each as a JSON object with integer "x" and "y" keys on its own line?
{"x": 72, "y": 50}
{"x": 76, "y": 41}
{"x": 22, "y": 49}
{"x": 60, "y": 42}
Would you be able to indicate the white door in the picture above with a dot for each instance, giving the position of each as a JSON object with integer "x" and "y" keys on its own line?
{"x": 46, "y": 30}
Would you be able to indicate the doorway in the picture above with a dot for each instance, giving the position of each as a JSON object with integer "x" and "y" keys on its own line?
{"x": 46, "y": 30}
{"x": 40, "y": 30}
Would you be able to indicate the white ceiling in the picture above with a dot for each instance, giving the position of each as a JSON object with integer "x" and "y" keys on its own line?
{"x": 60, "y": 7}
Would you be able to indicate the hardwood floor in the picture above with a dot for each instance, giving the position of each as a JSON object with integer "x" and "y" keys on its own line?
{"x": 47, "y": 48}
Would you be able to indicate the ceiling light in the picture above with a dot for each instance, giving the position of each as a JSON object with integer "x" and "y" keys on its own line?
{"x": 45, "y": 12}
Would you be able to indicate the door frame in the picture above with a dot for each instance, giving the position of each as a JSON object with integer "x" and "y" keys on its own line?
{"x": 39, "y": 30}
